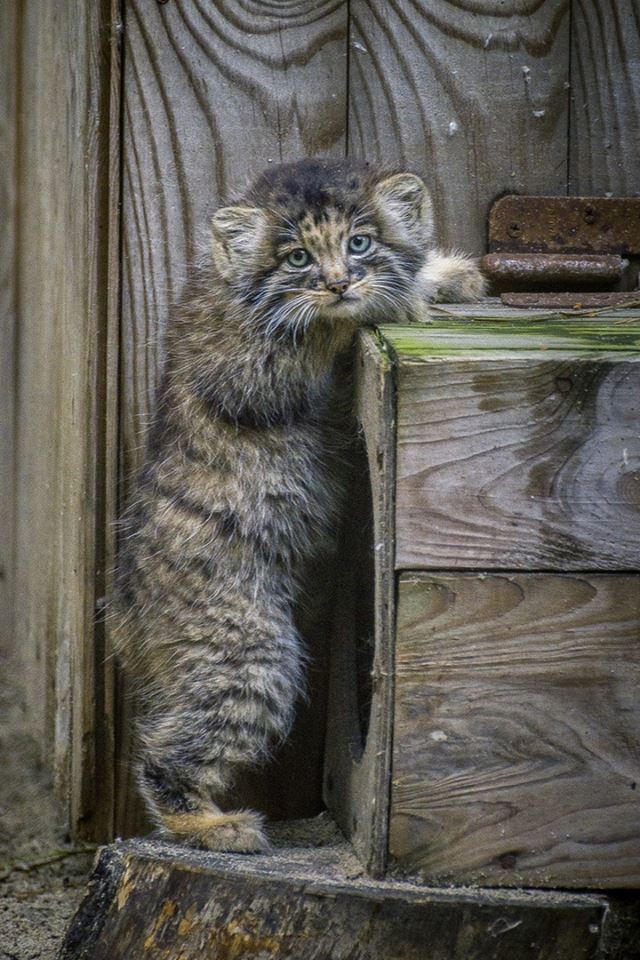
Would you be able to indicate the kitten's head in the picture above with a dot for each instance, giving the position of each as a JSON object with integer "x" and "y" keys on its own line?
{"x": 323, "y": 241}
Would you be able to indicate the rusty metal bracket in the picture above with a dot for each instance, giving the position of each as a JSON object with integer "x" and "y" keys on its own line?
{"x": 562, "y": 244}
{"x": 554, "y": 271}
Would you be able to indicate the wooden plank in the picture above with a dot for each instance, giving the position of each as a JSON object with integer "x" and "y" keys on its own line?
{"x": 605, "y": 97}
{"x": 213, "y": 93}
{"x": 517, "y": 447}
{"x": 157, "y": 901}
{"x": 61, "y": 369}
{"x": 358, "y": 749}
{"x": 471, "y": 96}
{"x": 8, "y": 267}
{"x": 516, "y": 733}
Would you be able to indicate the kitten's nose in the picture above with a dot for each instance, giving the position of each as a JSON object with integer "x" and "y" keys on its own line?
{"x": 338, "y": 286}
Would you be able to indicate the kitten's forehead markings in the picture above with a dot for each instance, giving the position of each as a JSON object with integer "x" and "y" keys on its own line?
{"x": 325, "y": 235}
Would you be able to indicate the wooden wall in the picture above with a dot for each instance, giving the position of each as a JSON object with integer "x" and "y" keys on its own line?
{"x": 481, "y": 99}
{"x": 8, "y": 211}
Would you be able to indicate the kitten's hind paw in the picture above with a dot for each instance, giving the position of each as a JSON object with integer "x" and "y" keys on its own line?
{"x": 239, "y": 832}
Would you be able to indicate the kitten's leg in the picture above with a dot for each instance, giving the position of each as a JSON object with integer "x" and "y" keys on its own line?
{"x": 451, "y": 278}
{"x": 224, "y": 702}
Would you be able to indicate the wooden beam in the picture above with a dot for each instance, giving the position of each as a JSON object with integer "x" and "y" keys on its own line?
{"x": 61, "y": 412}
{"x": 9, "y": 45}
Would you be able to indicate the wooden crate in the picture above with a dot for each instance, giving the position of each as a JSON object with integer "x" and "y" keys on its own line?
{"x": 502, "y": 744}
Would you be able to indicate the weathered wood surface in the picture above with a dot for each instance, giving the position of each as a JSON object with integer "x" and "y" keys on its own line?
{"x": 213, "y": 93}
{"x": 516, "y": 732}
{"x": 518, "y": 447}
{"x": 474, "y": 97}
{"x": 605, "y": 97}
{"x": 8, "y": 277}
{"x": 358, "y": 747}
{"x": 61, "y": 379}
{"x": 151, "y": 900}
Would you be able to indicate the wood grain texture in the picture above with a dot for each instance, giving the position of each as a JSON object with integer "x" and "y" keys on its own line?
{"x": 8, "y": 276}
{"x": 516, "y": 734}
{"x": 151, "y": 900}
{"x": 605, "y": 97}
{"x": 213, "y": 93}
{"x": 60, "y": 412}
{"x": 358, "y": 749}
{"x": 511, "y": 459}
{"x": 472, "y": 96}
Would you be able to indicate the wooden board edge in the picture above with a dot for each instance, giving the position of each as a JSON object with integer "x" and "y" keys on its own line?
{"x": 379, "y": 428}
{"x": 357, "y": 778}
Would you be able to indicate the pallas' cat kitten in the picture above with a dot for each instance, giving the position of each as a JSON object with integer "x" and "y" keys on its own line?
{"x": 238, "y": 488}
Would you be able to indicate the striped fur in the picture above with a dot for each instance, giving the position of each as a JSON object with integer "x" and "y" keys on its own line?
{"x": 243, "y": 478}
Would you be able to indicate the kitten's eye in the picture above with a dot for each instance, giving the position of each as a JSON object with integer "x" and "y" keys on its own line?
{"x": 359, "y": 243}
{"x": 299, "y": 258}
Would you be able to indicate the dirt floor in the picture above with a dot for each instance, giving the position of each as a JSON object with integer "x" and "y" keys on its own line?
{"x": 41, "y": 877}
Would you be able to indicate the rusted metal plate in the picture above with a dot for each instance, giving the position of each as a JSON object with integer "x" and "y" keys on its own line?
{"x": 573, "y": 300}
{"x": 565, "y": 225}
{"x": 573, "y": 271}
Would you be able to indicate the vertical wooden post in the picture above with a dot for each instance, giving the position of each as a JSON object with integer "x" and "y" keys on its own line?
{"x": 63, "y": 368}
{"x": 8, "y": 214}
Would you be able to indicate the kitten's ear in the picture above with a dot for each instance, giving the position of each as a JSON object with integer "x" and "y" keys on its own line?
{"x": 238, "y": 235}
{"x": 404, "y": 202}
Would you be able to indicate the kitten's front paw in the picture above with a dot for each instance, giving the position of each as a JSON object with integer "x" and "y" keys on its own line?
{"x": 238, "y": 832}
{"x": 470, "y": 284}
{"x": 452, "y": 278}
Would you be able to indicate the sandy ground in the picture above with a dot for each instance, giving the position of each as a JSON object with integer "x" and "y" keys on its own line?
{"x": 41, "y": 877}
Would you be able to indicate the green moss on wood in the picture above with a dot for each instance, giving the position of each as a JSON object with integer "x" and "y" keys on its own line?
{"x": 612, "y": 333}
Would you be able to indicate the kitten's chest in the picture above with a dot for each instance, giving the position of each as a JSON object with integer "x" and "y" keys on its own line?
{"x": 294, "y": 481}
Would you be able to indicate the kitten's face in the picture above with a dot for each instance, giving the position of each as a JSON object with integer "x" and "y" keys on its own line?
{"x": 326, "y": 243}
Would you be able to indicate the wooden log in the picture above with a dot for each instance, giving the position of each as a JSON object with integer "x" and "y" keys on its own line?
{"x": 152, "y": 900}
{"x": 517, "y": 443}
{"x": 516, "y": 733}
